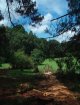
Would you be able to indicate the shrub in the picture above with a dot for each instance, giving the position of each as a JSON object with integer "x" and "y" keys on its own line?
{"x": 37, "y": 56}
{"x": 21, "y": 60}
{"x": 60, "y": 63}
{"x": 72, "y": 64}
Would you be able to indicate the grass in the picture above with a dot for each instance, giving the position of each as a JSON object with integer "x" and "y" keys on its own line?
{"x": 30, "y": 76}
{"x": 48, "y": 63}
{"x": 19, "y": 73}
{"x": 5, "y": 66}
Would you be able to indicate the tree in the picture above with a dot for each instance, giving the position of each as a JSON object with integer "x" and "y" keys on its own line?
{"x": 4, "y": 44}
{"x": 24, "y": 8}
{"x": 1, "y": 17}
{"x": 21, "y": 61}
{"x": 74, "y": 7}
{"x": 31, "y": 42}
{"x": 73, "y": 45}
{"x": 37, "y": 56}
{"x": 72, "y": 20}
{"x": 54, "y": 49}
{"x": 66, "y": 22}
{"x": 17, "y": 38}
{"x": 42, "y": 44}
{"x": 28, "y": 8}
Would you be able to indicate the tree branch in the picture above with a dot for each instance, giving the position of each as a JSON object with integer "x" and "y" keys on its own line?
{"x": 9, "y": 12}
{"x": 60, "y": 17}
{"x": 75, "y": 11}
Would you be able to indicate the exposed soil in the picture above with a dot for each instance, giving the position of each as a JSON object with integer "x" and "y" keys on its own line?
{"x": 49, "y": 91}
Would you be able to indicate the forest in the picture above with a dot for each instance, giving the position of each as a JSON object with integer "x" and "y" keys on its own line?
{"x": 39, "y": 70}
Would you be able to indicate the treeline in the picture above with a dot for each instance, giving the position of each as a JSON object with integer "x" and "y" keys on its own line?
{"x": 25, "y": 50}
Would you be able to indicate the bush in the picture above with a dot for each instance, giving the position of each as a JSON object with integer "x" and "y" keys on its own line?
{"x": 60, "y": 63}
{"x": 72, "y": 65}
{"x": 37, "y": 56}
{"x": 21, "y": 60}
{"x": 36, "y": 70}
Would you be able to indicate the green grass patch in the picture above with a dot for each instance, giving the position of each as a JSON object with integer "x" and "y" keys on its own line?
{"x": 48, "y": 62}
{"x": 19, "y": 73}
{"x": 5, "y": 66}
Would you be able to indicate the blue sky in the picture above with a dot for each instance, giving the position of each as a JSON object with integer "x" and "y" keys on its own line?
{"x": 49, "y": 8}
{"x": 55, "y": 7}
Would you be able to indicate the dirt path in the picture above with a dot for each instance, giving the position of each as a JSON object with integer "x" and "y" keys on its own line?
{"x": 51, "y": 90}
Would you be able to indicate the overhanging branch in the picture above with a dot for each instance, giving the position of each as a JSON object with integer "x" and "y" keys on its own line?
{"x": 60, "y": 17}
{"x": 70, "y": 13}
{"x": 9, "y": 12}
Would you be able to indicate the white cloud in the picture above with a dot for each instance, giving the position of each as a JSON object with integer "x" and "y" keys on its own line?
{"x": 2, "y": 5}
{"x": 44, "y": 24}
{"x": 4, "y": 11}
{"x": 5, "y": 21}
{"x": 65, "y": 37}
{"x": 38, "y": 29}
{"x": 47, "y": 18}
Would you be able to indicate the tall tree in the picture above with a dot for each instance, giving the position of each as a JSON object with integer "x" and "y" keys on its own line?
{"x": 54, "y": 49}
{"x": 24, "y": 8}
{"x": 74, "y": 45}
{"x": 68, "y": 21}
{"x": 1, "y": 17}
{"x": 4, "y": 44}
{"x": 74, "y": 16}
{"x": 74, "y": 7}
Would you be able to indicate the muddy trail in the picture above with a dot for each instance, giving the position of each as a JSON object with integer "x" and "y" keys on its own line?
{"x": 48, "y": 91}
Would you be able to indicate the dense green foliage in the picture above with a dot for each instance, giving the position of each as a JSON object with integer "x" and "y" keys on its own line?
{"x": 21, "y": 60}
{"x": 24, "y": 50}
{"x": 37, "y": 56}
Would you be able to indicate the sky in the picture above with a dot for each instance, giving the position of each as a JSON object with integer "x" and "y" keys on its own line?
{"x": 49, "y": 8}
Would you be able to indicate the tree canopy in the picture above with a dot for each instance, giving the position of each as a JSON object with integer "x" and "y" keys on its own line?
{"x": 26, "y": 8}
{"x": 67, "y": 22}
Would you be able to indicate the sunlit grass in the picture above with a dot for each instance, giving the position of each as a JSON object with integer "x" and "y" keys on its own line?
{"x": 48, "y": 63}
{"x": 5, "y": 66}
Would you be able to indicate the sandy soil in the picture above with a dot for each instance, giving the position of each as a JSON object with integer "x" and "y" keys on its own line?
{"x": 50, "y": 91}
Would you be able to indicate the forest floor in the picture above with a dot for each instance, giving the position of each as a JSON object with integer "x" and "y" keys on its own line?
{"x": 46, "y": 91}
